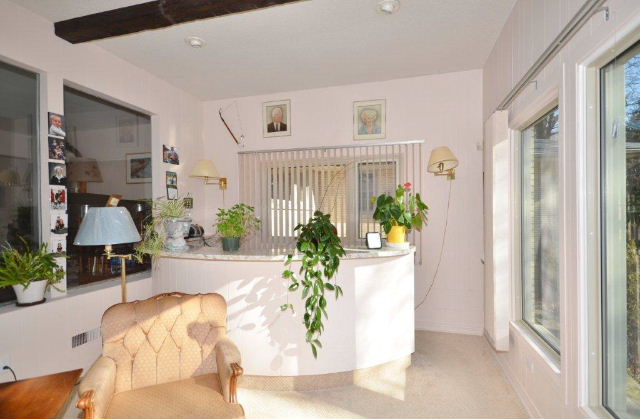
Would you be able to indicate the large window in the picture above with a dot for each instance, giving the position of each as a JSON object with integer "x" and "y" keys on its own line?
{"x": 539, "y": 246}
{"x": 620, "y": 197}
{"x": 19, "y": 191}
{"x": 108, "y": 151}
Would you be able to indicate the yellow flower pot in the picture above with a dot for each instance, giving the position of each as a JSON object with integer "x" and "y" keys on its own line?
{"x": 397, "y": 234}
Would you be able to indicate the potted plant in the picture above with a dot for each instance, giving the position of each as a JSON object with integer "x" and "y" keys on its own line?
{"x": 166, "y": 229}
{"x": 235, "y": 223}
{"x": 399, "y": 213}
{"x": 29, "y": 272}
{"x": 321, "y": 250}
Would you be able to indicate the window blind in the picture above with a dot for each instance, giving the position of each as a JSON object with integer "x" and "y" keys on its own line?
{"x": 287, "y": 186}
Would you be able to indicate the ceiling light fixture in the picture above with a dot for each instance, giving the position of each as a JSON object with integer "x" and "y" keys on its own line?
{"x": 195, "y": 41}
{"x": 388, "y": 7}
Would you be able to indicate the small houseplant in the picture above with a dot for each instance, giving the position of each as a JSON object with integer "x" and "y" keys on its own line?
{"x": 165, "y": 230}
{"x": 29, "y": 272}
{"x": 321, "y": 250}
{"x": 234, "y": 223}
{"x": 399, "y": 213}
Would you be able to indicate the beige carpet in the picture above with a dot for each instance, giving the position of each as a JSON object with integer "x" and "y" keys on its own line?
{"x": 451, "y": 376}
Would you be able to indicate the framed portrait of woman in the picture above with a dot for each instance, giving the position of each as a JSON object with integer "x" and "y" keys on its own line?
{"x": 369, "y": 119}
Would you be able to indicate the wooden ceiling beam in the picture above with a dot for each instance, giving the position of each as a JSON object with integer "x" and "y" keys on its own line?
{"x": 152, "y": 15}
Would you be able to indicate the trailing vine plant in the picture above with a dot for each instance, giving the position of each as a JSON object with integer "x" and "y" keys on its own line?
{"x": 321, "y": 250}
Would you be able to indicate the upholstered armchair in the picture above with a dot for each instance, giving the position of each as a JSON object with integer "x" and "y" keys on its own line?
{"x": 164, "y": 357}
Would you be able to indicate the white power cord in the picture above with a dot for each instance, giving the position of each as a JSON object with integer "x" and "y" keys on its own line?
{"x": 444, "y": 237}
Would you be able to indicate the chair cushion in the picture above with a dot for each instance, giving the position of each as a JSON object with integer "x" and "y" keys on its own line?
{"x": 196, "y": 397}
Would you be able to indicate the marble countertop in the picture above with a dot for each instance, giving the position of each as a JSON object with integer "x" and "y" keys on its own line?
{"x": 277, "y": 255}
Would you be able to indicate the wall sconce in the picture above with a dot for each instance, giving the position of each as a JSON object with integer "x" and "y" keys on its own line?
{"x": 443, "y": 162}
{"x": 209, "y": 172}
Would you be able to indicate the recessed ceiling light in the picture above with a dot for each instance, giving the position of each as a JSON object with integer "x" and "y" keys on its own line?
{"x": 195, "y": 41}
{"x": 388, "y": 7}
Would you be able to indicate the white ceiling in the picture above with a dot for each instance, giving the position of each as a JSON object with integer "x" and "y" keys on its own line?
{"x": 314, "y": 43}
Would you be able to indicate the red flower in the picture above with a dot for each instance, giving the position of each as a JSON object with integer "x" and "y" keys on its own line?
{"x": 407, "y": 186}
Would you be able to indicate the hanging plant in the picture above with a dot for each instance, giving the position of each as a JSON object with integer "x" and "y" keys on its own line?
{"x": 321, "y": 250}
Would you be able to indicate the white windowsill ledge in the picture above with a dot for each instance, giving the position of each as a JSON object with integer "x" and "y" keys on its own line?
{"x": 11, "y": 306}
{"x": 548, "y": 355}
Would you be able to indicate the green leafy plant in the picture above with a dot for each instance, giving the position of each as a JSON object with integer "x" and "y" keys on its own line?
{"x": 154, "y": 236}
{"x": 24, "y": 266}
{"x": 321, "y": 250}
{"x": 238, "y": 221}
{"x": 403, "y": 209}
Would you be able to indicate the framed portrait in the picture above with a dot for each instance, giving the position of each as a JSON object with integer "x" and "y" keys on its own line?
{"x": 57, "y": 244}
{"x": 57, "y": 174}
{"x": 369, "y": 120}
{"x": 57, "y": 149}
{"x": 59, "y": 222}
{"x": 138, "y": 167}
{"x": 172, "y": 185}
{"x": 56, "y": 125}
{"x": 128, "y": 130}
{"x": 276, "y": 118}
{"x": 58, "y": 200}
{"x": 170, "y": 155}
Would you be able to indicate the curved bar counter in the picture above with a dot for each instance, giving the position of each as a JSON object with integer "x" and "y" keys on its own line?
{"x": 372, "y": 324}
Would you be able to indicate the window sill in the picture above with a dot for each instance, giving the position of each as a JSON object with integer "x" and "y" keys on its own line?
{"x": 542, "y": 348}
{"x": 10, "y": 306}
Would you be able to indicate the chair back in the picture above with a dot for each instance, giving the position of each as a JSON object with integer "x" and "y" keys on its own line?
{"x": 165, "y": 338}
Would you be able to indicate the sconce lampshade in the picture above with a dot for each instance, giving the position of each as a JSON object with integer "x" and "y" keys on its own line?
{"x": 206, "y": 169}
{"x": 84, "y": 169}
{"x": 442, "y": 160}
{"x": 107, "y": 226}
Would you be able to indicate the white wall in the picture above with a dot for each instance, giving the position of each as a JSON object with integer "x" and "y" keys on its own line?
{"x": 547, "y": 390}
{"x": 37, "y": 337}
{"x": 442, "y": 109}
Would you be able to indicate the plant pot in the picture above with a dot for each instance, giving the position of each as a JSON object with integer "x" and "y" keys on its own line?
{"x": 230, "y": 244}
{"x": 177, "y": 229}
{"x": 33, "y": 294}
{"x": 397, "y": 235}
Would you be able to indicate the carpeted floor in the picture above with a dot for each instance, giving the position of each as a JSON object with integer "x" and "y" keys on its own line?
{"x": 451, "y": 376}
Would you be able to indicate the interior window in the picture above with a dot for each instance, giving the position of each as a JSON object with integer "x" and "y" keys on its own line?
{"x": 19, "y": 191}
{"x": 540, "y": 249}
{"x": 108, "y": 152}
{"x": 620, "y": 197}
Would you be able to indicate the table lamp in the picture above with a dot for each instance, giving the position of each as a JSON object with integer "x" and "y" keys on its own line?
{"x": 106, "y": 226}
{"x": 83, "y": 170}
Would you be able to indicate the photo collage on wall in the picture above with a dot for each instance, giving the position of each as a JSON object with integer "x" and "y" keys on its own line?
{"x": 58, "y": 195}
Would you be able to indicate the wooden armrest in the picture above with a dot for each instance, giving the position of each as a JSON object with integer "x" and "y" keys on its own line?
{"x": 236, "y": 371}
{"x": 85, "y": 403}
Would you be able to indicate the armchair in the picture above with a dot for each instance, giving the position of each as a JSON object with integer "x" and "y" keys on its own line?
{"x": 164, "y": 357}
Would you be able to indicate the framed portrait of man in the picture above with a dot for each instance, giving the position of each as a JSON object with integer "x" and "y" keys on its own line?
{"x": 276, "y": 118}
{"x": 369, "y": 120}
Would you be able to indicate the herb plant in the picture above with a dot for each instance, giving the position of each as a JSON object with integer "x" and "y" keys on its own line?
{"x": 403, "y": 209}
{"x": 238, "y": 221}
{"x": 24, "y": 266}
{"x": 321, "y": 250}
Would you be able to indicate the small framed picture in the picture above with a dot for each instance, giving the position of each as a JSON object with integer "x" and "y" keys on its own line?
{"x": 58, "y": 198}
{"x": 276, "y": 118}
{"x": 60, "y": 288}
{"x": 128, "y": 130}
{"x": 57, "y": 149}
{"x": 59, "y": 223}
{"x": 113, "y": 200}
{"x": 57, "y": 174}
{"x": 172, "y": 185}
{"x": 58, "y": 244}
{"x": 374, "y": 240}
{"x": 170, "y": 155}
{"x": 138, "y": 167}
{"x": 369, "y": 120}
{"x": 56, "y": 125}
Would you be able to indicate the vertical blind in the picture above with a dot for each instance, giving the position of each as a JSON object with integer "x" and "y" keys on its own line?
{"x": 287, "y": 186}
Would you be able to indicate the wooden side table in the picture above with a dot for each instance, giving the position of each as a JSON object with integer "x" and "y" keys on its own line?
{"x": 40, "y": 397}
